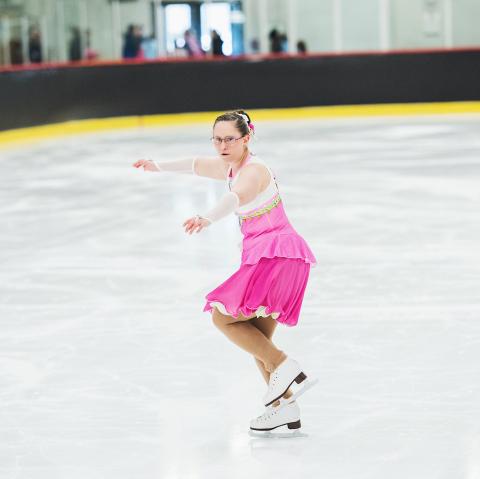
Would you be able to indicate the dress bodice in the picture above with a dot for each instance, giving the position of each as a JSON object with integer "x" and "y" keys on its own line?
{"x": 263, "y": 197}
{"x": 267, "y": 233}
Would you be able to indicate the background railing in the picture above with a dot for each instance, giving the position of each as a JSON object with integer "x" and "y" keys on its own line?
{"x": 96, "y": 28}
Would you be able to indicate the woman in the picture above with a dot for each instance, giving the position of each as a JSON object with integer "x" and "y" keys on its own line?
{"x": 217, "y": 43}
{"x": 269, "y": 286}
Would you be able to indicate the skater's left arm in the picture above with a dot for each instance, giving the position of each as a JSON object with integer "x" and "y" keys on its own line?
{"x": 225, "y": 206}
{"x": 245, "y": 190}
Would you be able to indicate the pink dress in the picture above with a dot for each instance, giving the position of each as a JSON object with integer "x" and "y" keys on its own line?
{"x": 275, "y": 262}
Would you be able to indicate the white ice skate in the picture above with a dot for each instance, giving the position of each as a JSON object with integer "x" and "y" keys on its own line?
{"x": 273, "y": 417}
{"x": 282, "y": 378}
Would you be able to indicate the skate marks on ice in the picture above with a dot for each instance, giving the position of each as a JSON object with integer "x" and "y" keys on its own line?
{"x": 271, "y": 443}
{"x": 100, "y": 274}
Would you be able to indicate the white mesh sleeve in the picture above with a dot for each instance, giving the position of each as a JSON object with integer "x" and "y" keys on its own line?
{"x": 185, "y": 165}
{"x": 225, "y": 206}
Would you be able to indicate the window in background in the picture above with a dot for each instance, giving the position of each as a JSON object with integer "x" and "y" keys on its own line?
{"x": 178, "y": 18}
{"x": 216, "y": 16}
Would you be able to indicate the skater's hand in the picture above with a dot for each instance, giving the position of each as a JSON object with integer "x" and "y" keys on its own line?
{"x": 195, "y": 224}
{"x": 148, "y": 165}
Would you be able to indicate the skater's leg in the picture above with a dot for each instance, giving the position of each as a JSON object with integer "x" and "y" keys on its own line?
{"x": 267, "y": 327}
{"x": 248, "y": 337}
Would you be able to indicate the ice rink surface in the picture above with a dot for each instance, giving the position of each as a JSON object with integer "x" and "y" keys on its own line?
{"x": 110, "y": 369}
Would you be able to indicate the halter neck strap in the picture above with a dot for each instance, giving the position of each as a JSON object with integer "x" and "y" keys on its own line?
{"x": 230, "y": 171}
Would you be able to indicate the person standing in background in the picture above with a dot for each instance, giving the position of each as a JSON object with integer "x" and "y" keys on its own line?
{"x": 129, "y": 46}
{"x": 75, "y": 45}
{"x": 35, "y": 46}
{"x": 89, "y": 53}
{"x": 275, "y": 41}
{"x": 192, "y": 44}
{"x": 217, "y": 44}
{"x": 138, "y": 36}
{"x": 132, "y": 42}
{"x": 301, "y": 47}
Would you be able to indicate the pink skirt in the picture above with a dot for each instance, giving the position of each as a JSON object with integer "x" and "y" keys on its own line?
{"x": 272, "y": 286}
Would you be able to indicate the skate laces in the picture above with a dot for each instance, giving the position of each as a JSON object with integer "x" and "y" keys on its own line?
{"x": 273, "y": 380}
{"x": 272, "y": 410}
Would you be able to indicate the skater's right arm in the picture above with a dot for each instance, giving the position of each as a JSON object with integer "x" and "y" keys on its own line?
{"x": 210, "y": 167}
{"x": 185, "y": 165}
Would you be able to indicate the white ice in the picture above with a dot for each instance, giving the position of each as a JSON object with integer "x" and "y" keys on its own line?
{"x": 110, "y": 369}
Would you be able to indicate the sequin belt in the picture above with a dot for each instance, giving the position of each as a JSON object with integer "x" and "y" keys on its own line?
{"x": 261, "y": 211}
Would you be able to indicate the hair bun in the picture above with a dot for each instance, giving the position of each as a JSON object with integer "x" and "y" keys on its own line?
{"x": 242, "y": 120}
{"x": 246, "y": 119}
{"x": 244, "y": 115}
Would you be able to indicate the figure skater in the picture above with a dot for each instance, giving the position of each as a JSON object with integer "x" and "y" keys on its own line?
{"x": 269, "y": 286}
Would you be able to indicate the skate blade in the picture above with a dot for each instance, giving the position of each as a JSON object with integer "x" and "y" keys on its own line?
{"x": 276, "y": 434}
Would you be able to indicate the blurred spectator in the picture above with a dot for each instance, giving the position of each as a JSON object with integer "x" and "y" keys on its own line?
{"x": 34, "y": 45}
{"x": 16, "y": 54}
{"x": 255, "y": 45}
{"x": 275, "y": 41}
{"x": 75, "y": 45}
{"x": 192, "y": 45}
{"x": 89, "y": 53}
{"x": 217, "y": 43}
{"x": 132, "y": 46}
{"x": 283, "y": 42}
{"x": 129, "y": 44}
{"x": 138, "y": 34}
{"x": 301, "y": 47}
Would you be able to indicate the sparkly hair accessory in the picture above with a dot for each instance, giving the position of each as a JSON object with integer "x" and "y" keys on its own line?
{"x": 245, "y": 118}
{"x": 247, "y": 121}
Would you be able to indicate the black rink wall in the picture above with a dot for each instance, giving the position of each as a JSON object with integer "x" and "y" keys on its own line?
{"x": 50, "y": 95}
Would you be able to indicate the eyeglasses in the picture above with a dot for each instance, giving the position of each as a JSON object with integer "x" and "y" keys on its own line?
{"x": 228, "y": 140}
